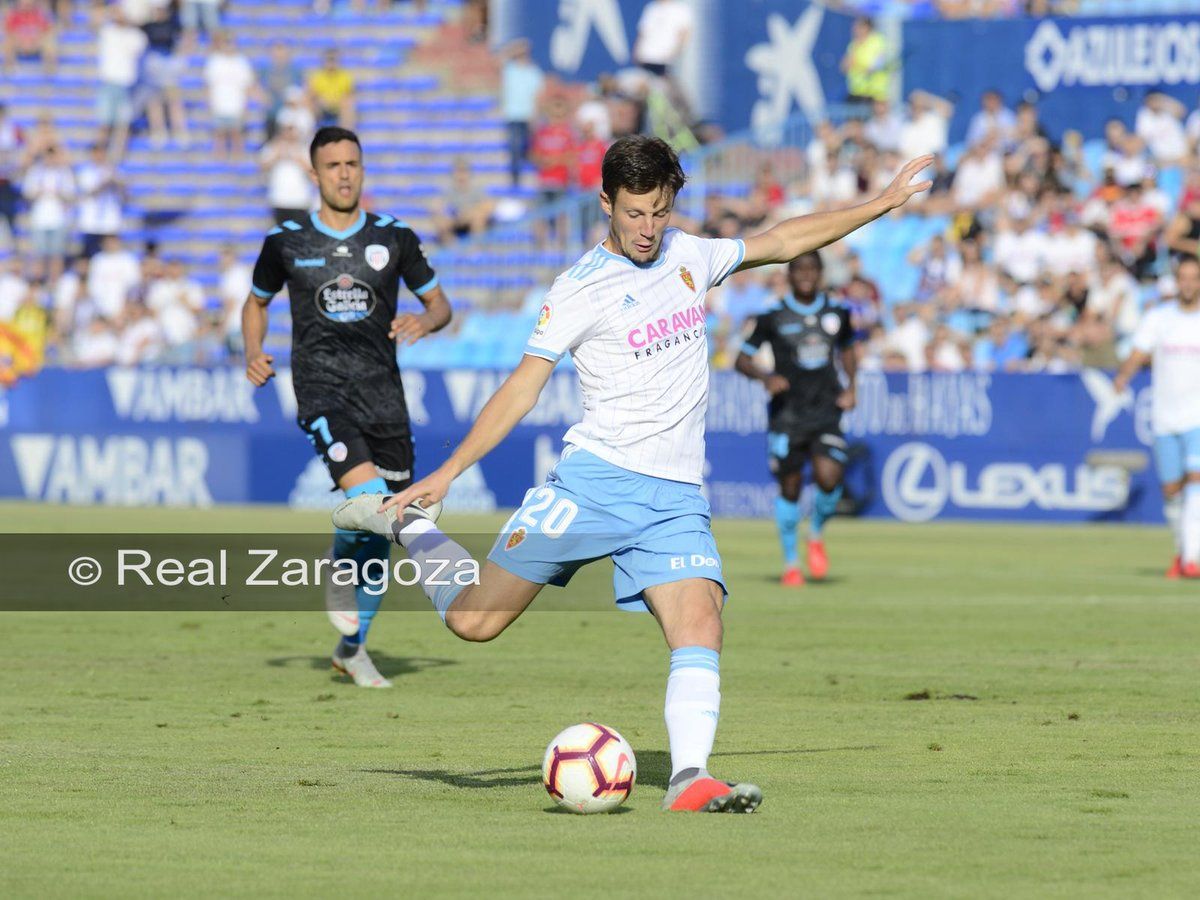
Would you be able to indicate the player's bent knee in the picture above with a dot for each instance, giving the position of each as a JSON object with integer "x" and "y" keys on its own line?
{"x": 476, "y": 627}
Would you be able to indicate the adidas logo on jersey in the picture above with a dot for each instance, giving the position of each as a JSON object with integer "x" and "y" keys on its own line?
{"x": 629, "y": 302}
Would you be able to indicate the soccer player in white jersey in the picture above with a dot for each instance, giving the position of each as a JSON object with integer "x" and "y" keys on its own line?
{"x": 631, "y": 314}
{"x": 1168, "y": 338}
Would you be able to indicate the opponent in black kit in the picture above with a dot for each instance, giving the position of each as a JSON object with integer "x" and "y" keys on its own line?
{"x": 343, "y": 268}
{"x": 808, "y": 333}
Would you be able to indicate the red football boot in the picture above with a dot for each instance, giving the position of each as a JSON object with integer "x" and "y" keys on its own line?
{"x": 818, "y": 562}
{"x": 792, "y": 577}
{"x": 703, "y": 793}
{"x": 1191, "y": 570}
{"x": 1176, "y": 570}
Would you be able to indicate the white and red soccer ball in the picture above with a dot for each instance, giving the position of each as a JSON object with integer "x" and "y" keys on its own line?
{"x": 589, "y": 768}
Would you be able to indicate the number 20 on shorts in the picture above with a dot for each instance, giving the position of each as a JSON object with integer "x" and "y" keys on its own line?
{"x": 541, "y": 511}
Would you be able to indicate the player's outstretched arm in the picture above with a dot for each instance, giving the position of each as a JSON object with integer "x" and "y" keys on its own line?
{"x": 792, "y": 237}
{"x": 254, "y": 331}
{"x": 508, "y": 406}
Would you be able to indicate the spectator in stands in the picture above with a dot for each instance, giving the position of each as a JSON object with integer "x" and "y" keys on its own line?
{"x": 297, "y": 114}
{"x": 1183, "y": 234}
{"x": 279, "y": 78}
{"x": 994, "y": 121}
{"x": 230, "y": 80}
{"x": 1133, "y": 228}
{"x": 663, "y": 33}
{"x": 164, "y": 66}
{"x": 332, "y": 89}
{"x": 939, "y": 267}
{"x": 589, "y": 157}
{"x": 467, "y": 209}
{"x": 867, "y": 64}
{"x": 49, "y": 188}
{"x": 1002, "y": 348}
{"x": 289, "y": 187}
{"x": 911, "y": 335}
{"x": 96, "y": 345}
{"x": 174, "y": 287}
{"x": 100, "y": 200}
{"x": 979, "y": 180}
{"x": 595, "y": 109}
{"x": 1069, "y": 247}
{"x": 29, "y": 34}
{"x": 13, "y": 287}
{"x": 140, "y": 337}
{"x": 71, "y": 304}
{"x": 552, "y": 150}
{"x": 927, "y": 128}
{"x": 113, "y": 275}
{"x": 11, "y": 150}
{"x": 1160, "y": 126}
{"x": 521, "y": 83}
{"x": 196, "y": 13}
{"x": 884, "y": 128}
{"x": 120, "y": 46}
{"x": 232, "y": 290}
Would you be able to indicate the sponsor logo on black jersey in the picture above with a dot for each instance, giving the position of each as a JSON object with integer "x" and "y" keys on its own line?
{"x": 345, "y": 299}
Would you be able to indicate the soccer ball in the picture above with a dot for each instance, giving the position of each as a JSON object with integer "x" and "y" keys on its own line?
{"x": 589, "y": 768}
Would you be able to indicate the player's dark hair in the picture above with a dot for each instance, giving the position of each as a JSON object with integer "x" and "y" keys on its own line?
{"x": 811, "y": 256}
{"x": 331, "y": 134}
{"x": 640, "y": 165}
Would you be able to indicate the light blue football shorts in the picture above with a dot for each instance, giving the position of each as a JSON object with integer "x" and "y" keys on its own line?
{"x": 1177, "y": 454}
{"x": 657, "y": 531}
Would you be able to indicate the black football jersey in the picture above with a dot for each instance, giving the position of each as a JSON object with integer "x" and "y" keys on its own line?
{"x": 343, "y": 287}
{"x": 806, "y": 339}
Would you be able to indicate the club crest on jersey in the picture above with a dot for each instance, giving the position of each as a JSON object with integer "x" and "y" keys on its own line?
{"x": 687, "y": 278}
{"x": 831, "y": 322}
{"x": 515, "y": 538}
{"x": 377, "y": 256}
{"x": 345, "y": 299}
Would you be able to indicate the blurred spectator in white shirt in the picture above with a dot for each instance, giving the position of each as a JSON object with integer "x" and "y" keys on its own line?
{"x": 885, "y": 127}
{"x": 114, "y": 272}
{"x": 141, "y": 337}
{"x": 233, "y": 289}
{"x": 230, "y": 79}
{"x": 96, "y": 345}
{"x": 119, "y": 47}
{"x": 1160, "y": 125}
{"x": 49, "y": 188}
{"x": 13, "y": 287}
{"x": 174, "y": 288}
{"x": 297, "y": 113}
{"x": 927, "y": 128}
{"x": 286, "y": 163}
{"x": 100, "y": 194}
{"x": 980, "y": 176}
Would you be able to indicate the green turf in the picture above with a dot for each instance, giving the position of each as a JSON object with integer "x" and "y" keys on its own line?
{"x": 180, "y": 754}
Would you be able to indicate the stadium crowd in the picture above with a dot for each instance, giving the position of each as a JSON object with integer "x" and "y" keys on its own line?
{"x": 1031, "y": 255}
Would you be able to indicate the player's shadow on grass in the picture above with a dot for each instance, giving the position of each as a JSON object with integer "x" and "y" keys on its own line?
{"x": 827, "y": 581}
{"x": 489, "y": 778}
{"x": 388, "y": 666}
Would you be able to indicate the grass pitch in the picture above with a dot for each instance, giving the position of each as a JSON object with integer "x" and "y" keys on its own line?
{"x": 962, "y": 711}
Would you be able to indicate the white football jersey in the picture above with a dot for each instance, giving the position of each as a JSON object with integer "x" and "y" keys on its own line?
{"x": 638, "y": 337}
{"x": 1172, "y": 338}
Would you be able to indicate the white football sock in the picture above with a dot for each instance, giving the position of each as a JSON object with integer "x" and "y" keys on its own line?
{"x": 430, "y": 548}
{"x": 1173, "y": 510}
{"x": 1191, "y": 522}
{"x": 693, "y": 706}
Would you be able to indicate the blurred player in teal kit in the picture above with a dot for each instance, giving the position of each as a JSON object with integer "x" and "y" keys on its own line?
{"x": 809, "y": 333}
{"x": 343, "y": 268}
